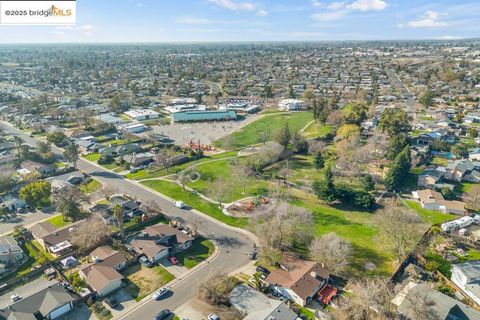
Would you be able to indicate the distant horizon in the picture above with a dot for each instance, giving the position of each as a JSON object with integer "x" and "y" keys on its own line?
{"x": 214, "y": 21}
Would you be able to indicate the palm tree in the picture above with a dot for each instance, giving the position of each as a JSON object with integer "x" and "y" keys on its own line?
{"x": 18, "y": 144}
{"x": 118, "y": 214}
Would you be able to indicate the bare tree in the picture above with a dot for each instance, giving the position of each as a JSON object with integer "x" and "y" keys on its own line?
{"x": 107, "y": 191}
{"x": 117, "y": 211}
{"x": 269, "y": 255}
{"x": 335, "y": 118}
{"x": 316, "y": 146}
{"x": 473, "y": 197}
{"x": 421, "y": 306}
{"x": 164, "y": 158}
{"x": 371, "y": 300}
{"x": 333, "y": 251}
{"x": 401, "y": 228}
{"x": 215, "y": 289}
{"x": 242, "y": 172}
{"x": 220, "y": 190}
{"x": 284, "y": 226}
{"x": 91, "y": 234}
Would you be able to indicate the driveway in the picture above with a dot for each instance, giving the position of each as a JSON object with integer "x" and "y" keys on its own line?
{"x": 177, "y": 270}
{"x": 125, "y": 301}
{"x": 79, "y": 312}
{"x": 26, "y": 290}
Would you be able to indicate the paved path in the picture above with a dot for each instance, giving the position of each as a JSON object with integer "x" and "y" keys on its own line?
{"x": 234, "y": 244}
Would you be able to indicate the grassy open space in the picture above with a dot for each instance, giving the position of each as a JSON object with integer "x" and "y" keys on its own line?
{"x": 161, "y": 172}
{"x": 175, "y": 191}
{"x": 58, "y": 221}
{"x": 141, "y": 281}
{"x": 317, "y": 130}
{"x": 200, "y": 251}
{"x": 223, "y": 169}
{"x": 430, "y": 216}
{"x": 269, "y": 124}
{"x": 92, "y": 156}
{"x": 302, "y": 169}
{"x": 465, "y": 187}
{"x": 91, "y": 186}
{"x": 357, "y": 227}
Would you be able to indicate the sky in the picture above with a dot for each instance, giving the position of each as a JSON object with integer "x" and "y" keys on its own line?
{"x": 257, "y": 20}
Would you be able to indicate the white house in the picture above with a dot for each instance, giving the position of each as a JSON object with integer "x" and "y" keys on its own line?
{"x": 291, "y": 105}
{"x": 142, "y": 114}
{"x": 467, "y": 277}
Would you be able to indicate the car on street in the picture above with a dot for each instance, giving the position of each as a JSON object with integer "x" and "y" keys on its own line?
{"x": 173, "y": 260}
{"x": 15, "y": 297}
{"x": 164, "y": 315}
{"x": 112, "y": 303}
{"x": 213, "y": 317}
{"x": 252, "y": 255}
{"x": 180, "y": 204}
{"x": 160, "y": 293}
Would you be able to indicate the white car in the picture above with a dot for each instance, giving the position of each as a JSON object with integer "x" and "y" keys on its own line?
{"x": 213, "y": 317}
{"x": 160, "y": 293}
{"x": 179, "y": 204}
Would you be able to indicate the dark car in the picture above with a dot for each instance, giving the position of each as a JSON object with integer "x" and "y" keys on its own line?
{"x": 164, "y": 315}
{"x": 263, "y": 270}
{"x": 112, "y": 303}
{"x": 252, "y": 255}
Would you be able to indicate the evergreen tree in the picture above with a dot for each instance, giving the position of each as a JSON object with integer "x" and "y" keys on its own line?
{"x": 399, "y": 169}
{"x": 325, "y": 189}
{"x": 291, "y": 93}
{"x": 367, "y": 183}
{"x": 396, "y": 144}
{"x": 284, "y": 135}
{"x": 319, "y": 162}
{"x": 315, "y": 110}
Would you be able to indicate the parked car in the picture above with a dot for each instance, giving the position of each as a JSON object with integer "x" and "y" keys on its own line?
{"x": 262, "y": 270}
{"x": 173, "y": 260}
{"x": 180, "y": 204}
{"x": 112, "y": 303}
{"x": 145, "y": 261}
{"x": 252, "y": 255}
{"x": 213, "y": 317}
{"x": 160, "y": 293}
{"x": 15, "y": 297}
{"x": 163, "y": 315}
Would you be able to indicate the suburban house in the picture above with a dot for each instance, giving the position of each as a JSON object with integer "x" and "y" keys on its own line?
{"x": 467, "y": 278}
{"x": 138, "y": 159}
{"x": 433, "y": 200}
{"x": 49, "y": 303}
{"x": 430, "y": 178}
{"x": 463, "y": 170}
{"x": 258, "y": 306}
{"x": 439, "y": 135}
{"x": 298, "y": 280}
{"x": 10, "y": 251}
{"x": 32, "y": 166}
{"x": 87, "y": 146}
{"x": 13, "y": 203}
{"x": 159, "y": 240}
{"x": 443, "y": 306}
{"x": 120, "y": 150}
{"x": 102, "y": 275}
{"x": 57, "y": 242}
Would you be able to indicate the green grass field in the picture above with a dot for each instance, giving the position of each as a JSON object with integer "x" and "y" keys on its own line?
{"x": 58, "y": 221}
{"x": 175, "y": 191}
{"x": 430, "y": 216}
{"x": 316, "y": 130}
{"x": 270, "y": 124}
{"x": 92, "y": 156}
{"x": 92, "y": 186}
{"x": 200, "y": 251}
{"x": 224, "y": 169}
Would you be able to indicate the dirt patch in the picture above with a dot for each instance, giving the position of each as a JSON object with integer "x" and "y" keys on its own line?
{"x": 142, "y": 281}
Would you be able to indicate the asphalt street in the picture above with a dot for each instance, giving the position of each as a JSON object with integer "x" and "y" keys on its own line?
{"x": 234, "y": 245}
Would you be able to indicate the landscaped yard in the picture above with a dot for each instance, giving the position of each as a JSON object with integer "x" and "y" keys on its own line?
{"x": 141, "y": 281}
{"x": 175, "y": 191}
{"x": 200, "y": 251}
{"x": 92, "y": 156}
{"x": 58, "y": 221}
{"x": 91, "y": 186}
{"x": 268, "y": 124}
{"x": 430, "y": 216}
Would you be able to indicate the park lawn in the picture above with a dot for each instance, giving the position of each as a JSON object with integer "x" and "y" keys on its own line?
{"x": 92, "y": 156}
{"x": 359, "y": 228}
{"x": 223, "y": 169}
{"x": 302, "y": 169}
{"x": 270, "y": 123}
{"x": 317, "y": 130}
{"x": 92, "y": 186}
{"x": 58, "y": 221}
{"x": 176, "y": 192}
{"x": 430, "y": 216}
{"x": 200, "y": 251}
{"x": 161, "y": 172}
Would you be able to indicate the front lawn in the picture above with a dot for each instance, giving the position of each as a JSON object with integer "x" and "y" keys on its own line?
{"x": 58, "y": 221}
{"x": 269, "y": 125}
{"x": 91, "y": 186}
{"x": 92, "y": 156}
{"x": 200, "y": 251}
{"x": 430, "y": 216}
{"x": 176, "y": 192}
{"x": 141, "y": 281}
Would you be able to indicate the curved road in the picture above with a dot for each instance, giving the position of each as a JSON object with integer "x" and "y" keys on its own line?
{"x": 234, "y": 245}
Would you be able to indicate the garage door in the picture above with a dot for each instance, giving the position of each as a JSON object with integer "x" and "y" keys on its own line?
{"x": 60, "y": 311}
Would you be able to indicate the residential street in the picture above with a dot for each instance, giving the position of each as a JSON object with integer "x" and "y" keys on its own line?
{"x": 234, "y": 245}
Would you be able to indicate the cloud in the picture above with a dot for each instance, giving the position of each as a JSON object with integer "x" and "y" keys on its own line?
{"x": 367, "y": 5}
{"x": 336, "y": 5}
{"x": 233, "y": 5}
{"x": 192, "y": 20}
{"x": 329, "y": 16}
{"x": 317, "y": 4}
{"x": 429, "y": 19}
{"x": 447, "y": 37}
{"x": 262, "y": 13}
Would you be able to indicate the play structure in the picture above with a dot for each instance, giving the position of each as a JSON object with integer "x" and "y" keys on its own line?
{"x": 198, "y": 146}
{"x": 251, "y": 206}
